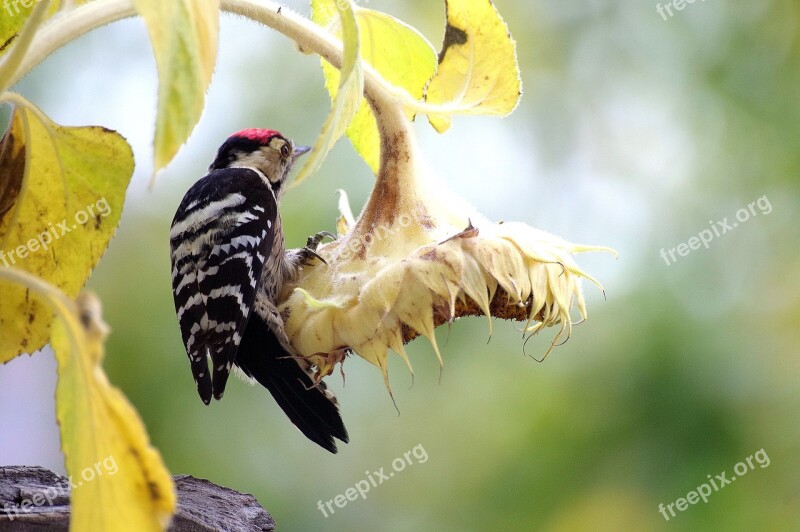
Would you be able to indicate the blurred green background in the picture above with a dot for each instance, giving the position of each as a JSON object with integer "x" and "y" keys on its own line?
{"x": 633, "y": 132}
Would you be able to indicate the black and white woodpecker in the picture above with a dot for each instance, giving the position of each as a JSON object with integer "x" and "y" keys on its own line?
{"x": 228, "y": 265}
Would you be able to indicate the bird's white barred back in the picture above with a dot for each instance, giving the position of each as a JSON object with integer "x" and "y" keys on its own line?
{"x": 220, "y": 239}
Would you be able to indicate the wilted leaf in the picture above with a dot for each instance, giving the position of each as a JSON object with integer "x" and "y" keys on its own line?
{"x": 478, "y": 71}
{"x": 12, "y": 166}
{"x": 118, "y": 480}
{"x": 351, "y": 87}
{"x": 184, "y": 35}
{"x": 54, "y": 224}
{"x": 397, "y": 51}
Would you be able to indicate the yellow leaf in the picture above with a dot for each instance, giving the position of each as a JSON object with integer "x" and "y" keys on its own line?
{"x": 351, "y": 87}
{"x": 12, "y": 19}
{"x": 397, "y": 51}
{"x": 118, "y": 480}
{"x": 61, "y": 195}
{"x": 17, "y": 32}
{"x": 184, "y": 35}
{"x": 13, "y": 16}
{"x": 478, "y": 71}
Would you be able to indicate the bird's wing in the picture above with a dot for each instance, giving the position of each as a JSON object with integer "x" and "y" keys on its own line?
{"x": 221, "y": 236}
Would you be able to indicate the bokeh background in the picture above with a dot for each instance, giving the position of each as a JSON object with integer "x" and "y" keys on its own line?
{"x": 633, "y": 132}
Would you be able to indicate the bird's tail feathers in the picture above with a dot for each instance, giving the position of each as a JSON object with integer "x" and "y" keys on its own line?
{"x": 310, "y": 406}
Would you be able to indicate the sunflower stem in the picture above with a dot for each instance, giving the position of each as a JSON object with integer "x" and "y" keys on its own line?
{"x": 396, "y": 187}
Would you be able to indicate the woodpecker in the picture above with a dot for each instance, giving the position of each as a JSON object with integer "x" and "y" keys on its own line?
{"x": 228, "y": 266}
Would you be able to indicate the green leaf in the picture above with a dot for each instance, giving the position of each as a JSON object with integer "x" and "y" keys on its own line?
{"x": 351, "y": 88}
{"x": 184, "y": 35}
{"x": 61, "y": 195}
{"x": 478, "y": 71}
{"x": 400, "y": 54}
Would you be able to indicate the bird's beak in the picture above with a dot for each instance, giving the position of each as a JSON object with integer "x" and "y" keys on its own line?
{"x": 300, "y": 150}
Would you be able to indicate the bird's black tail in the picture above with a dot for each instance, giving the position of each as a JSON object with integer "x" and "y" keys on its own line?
{"x": 310, "y": 407}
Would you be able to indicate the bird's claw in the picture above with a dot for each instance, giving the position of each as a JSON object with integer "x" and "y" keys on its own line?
{"x": 307, "y": 254}
{"x": 310, "y": 251}
{"x": 314, "y": 240}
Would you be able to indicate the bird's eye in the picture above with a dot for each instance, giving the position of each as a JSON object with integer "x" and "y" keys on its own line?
{"x": 285, "y": 150}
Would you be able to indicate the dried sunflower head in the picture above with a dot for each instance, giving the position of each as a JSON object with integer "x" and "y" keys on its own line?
{"x": 387, "y": 282}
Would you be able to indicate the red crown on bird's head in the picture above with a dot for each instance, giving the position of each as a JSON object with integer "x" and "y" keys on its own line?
{"x": 261, "y": 136}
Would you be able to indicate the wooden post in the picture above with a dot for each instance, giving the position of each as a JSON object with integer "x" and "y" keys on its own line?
{"x": 36, "y": 499}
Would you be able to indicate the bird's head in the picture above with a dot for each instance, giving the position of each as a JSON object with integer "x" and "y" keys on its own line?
{"x": 264, "y": 150}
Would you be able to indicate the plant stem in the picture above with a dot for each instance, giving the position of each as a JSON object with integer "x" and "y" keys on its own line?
{"x": 310, "y": 37}
{"x": 395, "y": 189}
{"x": 67, "y": 27}
{"x": 396, "y": 184}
